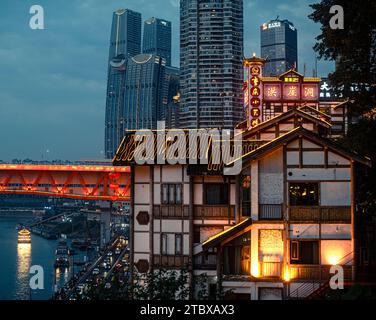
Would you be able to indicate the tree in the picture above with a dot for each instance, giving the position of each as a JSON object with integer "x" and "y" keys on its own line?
{"x": 162, "y": 285}
{"x": 353, "y": 49}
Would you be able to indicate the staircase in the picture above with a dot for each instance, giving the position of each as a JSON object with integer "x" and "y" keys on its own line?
{"x": 317, "y": 289}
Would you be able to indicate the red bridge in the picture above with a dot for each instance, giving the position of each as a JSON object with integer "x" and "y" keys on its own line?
{"x": 74, "y": 182}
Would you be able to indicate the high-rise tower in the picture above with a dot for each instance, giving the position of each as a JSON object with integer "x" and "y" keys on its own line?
{"x": 125, "y": 43}
{"x": 157, "y": 38}
{"x": 279, "y": 46}
{"x": 211, "y": 63}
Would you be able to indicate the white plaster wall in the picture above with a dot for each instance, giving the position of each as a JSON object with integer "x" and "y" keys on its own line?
{"x": 336, "y": 231}
{"x": 172, "y": 174}
{"x": 304, "y": 231}
{"x": 174, "y": 226}
{"x": 142, "y": 193}
{"x": 310, "y": 145}
{"x": 335, "y": 250}
{"x": 186, "y": 245}
{"x": 157, "y": 226}
{"x": 157, "y": 194}
{"x": 157, "y": 173}
{"x": 198, "y": 194}
{"x": 313, "y": 158}
{"x": 157, "y": 244}
{"x": 335, "y": 159}
{"x": 141, "y": 242}
{"x": 292, "y": 158}
{"x": 336, "y": 194}
{"x": 319, "y": 174}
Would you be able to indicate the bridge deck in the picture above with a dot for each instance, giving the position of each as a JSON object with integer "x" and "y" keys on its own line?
{"x": 75, "y": 182}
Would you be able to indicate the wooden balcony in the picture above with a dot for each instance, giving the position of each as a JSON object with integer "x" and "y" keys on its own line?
{"x": 316, "y": 272}
{"x": 270, "y": 211}
{"x": 171, "y": 212}
{"x": 214, "y": 212}
{"x": 320, "y": 214}
{"x": 168, "y": 261}
{"x": 271, "y": 269}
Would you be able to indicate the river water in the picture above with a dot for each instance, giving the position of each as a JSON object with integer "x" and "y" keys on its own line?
{"x": 16, "y": 260}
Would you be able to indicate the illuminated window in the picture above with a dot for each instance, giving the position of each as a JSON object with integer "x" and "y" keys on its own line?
{"x": 304, "y": 194}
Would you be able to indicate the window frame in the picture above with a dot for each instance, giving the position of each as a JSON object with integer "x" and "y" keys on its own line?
{"x": 228, "y": 190}
{"x": 318, "y": 201}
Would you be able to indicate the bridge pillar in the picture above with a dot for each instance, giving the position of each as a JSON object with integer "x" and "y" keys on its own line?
{"x": 105, "y": 224}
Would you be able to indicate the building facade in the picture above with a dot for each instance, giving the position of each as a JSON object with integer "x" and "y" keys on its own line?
{"x": 279, "y": 45}
{"x": 157, "y": 38}
{"x": 125, "y": 42}
{"x": 211, "y": 63}
{"x": 271, "y": 232}
{"x": 170, "y": 110}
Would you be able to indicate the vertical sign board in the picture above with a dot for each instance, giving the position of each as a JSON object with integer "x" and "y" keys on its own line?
{"x": 253, "y": 91}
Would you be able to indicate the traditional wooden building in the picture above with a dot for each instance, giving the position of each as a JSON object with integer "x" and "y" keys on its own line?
{"x": 271, "y": 232}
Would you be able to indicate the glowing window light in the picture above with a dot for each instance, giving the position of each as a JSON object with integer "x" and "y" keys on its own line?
{"x": 255, "y": 269}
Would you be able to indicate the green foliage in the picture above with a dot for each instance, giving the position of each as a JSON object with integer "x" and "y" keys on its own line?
{"x": 162, "y": 285}
{"x": 353, "y": 49}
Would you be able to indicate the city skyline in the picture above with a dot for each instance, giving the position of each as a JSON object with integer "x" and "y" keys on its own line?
{"x": 60, "y": 104}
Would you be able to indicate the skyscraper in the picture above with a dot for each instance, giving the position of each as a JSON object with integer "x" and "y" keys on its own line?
{"x": 279, "y": 45}
{"x": 143, "y": 92}
{"x": 125, "y": 42}
{"x": 157, "y": 38}
{"x": 211, "y": 63}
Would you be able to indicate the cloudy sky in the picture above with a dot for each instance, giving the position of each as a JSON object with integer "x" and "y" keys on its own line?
{"x": 53, "y": 81}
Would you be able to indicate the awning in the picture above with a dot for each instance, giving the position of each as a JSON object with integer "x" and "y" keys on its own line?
{"x": 229, "y": 234}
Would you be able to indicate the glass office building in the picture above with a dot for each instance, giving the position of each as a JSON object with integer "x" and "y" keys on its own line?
{"x": 279, "y": 45}
{"x": 157, "y": 38}
{"x": 125, "y": 42}
{"x": 211, "y": 63}
{"x": 137, "y": 96}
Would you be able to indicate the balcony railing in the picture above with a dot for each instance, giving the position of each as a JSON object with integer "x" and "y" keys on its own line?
{"x": 320, "y": 214}
{"x": 171, "y": 212}
{"x": 271, "y": 269}
{"x": 315, "y": 272}
{"x": 168, "y": 261}
{"x": 270, "y": 211}
{"x": 214, "y": 212}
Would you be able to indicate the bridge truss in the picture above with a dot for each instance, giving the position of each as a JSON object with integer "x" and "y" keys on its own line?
{"x": 72, "y": 182}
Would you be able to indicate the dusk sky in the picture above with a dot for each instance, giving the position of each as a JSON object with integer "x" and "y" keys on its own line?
{"x": 53, "y": 81}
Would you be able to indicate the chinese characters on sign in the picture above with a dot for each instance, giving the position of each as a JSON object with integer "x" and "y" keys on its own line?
{"x": 255, "y": 93}
{"x": 272, "y": 92}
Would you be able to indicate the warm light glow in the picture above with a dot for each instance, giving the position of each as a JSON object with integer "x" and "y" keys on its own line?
{"x": 255, "y": 269}
{"x": 333, "y": 259}
{"x": 286, "y": 275}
